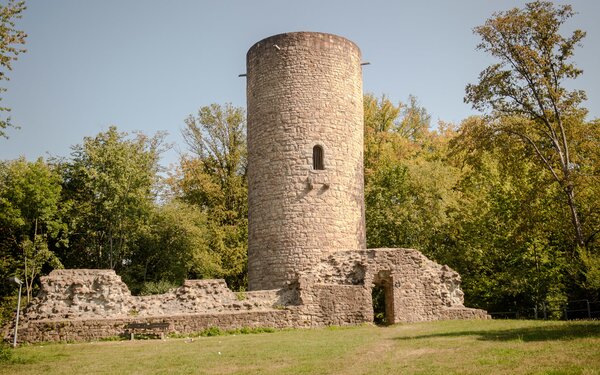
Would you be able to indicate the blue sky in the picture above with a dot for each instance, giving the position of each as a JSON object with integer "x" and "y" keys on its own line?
{"x": 147, "y": 65}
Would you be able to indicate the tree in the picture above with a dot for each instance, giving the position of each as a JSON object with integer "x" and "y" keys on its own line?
{"x": 391, "y": 131}
{"x": 407, "y": 204}
{"x": 11, "y": 41}
{"x": 408, "y": 184}
{"x": 217, "y": 138}
{"x": 110, "y": 187}
{"x": 507, "y": 237}
{"x": 30, "y": 218}
{"x": 172, "y": 248}
{"x": 213, "y": 179}
{"x": 526, "y": 90}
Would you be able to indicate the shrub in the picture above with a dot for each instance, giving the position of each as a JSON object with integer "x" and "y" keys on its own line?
{"x": 157, "y": 287}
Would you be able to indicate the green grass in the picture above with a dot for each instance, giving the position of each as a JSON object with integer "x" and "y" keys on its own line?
{"x": 450, "y": 347}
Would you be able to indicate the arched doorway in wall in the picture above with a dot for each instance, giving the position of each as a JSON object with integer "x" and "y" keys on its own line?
{"x": 382, "y": 295}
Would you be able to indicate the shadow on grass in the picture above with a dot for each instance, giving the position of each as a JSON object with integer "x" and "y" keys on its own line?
{"x": 550, "y": 332}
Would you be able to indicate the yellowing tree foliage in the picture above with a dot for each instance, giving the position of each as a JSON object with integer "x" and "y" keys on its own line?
{"x": 526, "y": 88}
{"x": 213, "y": 179}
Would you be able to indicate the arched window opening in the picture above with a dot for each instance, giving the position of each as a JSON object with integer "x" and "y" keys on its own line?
{"x": 318, "y": 158}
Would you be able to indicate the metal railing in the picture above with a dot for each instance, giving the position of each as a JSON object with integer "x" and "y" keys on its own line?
{"x": 571, "y": 310}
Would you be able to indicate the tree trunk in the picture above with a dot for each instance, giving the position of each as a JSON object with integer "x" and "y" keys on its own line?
{"x": 575, "y": 216}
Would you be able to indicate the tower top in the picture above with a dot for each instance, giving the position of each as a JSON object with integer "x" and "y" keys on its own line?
{"x": 308, "y": 38}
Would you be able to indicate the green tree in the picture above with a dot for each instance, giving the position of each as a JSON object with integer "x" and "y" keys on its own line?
{"x": 408, "y": 184}
{"x": 527, "y": 89}
{"x": 380, "y": 120}
{"x": 110, "y": 186}
{"x": 507, "y": 236}
{"x": 407, "y": 203}
{"x": 392, "y": 131}
{"x": 30, "y": 219}
{"x": 213, "y": 178}
{"x": 172, "y": 248}
{"x": 11, "y": 41}
{"x": 217, "y": 138}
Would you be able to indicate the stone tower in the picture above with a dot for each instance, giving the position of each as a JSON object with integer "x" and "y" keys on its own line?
{"x": 305, "y": 154}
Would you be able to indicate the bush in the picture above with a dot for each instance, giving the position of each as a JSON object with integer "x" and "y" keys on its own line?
{"x": 158, "y": 287}
{"x": 8, "y": 306}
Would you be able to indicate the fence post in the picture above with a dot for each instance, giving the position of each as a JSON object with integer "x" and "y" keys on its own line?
{"x": 535, "y": 312}
{"x": 589, "y": 309}
{"x": 544, "y": 310}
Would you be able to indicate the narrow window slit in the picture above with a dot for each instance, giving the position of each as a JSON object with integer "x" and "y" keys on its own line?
{"x": 318, "y": 158}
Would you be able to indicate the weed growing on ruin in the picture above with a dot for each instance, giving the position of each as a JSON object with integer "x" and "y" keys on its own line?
{"x": 133, "y": 312}
{"x": 158, "y": 287}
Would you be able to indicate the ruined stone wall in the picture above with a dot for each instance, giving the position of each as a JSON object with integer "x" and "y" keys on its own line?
{"x": 96, "y": 329}
{"x": 79, "y": 305}
{"x": 101, "y": 294}
{"x": 303, "y": 89}
{"x": 417, "y": 288}
{"x": 93, "y": 304}
{"x": 85, "y": 304}
{"x": 328, "y": 304}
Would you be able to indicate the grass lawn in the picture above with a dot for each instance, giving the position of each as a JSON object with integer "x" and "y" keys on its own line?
{"x": 449, "y": 347}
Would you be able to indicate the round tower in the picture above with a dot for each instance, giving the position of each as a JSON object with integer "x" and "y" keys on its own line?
{"x": 305, "y": 154}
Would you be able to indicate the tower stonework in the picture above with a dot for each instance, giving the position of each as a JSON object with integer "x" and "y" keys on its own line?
{"x": 305, "y": 154}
